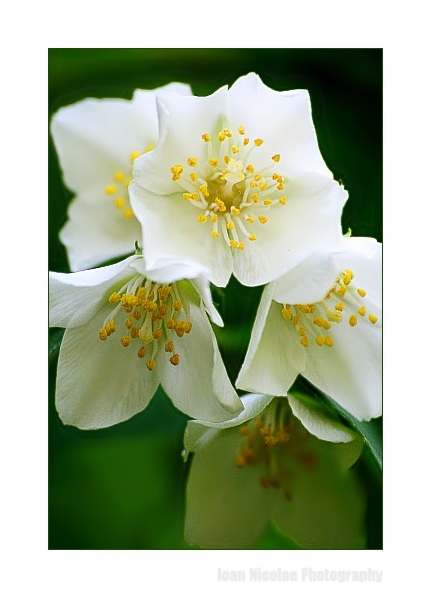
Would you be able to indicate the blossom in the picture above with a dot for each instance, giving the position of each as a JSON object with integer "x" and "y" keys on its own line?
{"x": 97, "y": 142}
{"x": 333, "y": 339}
{"x": 236, "y": 183}
{"x": 282, "y": 459}
{"x": 125, "y": 334}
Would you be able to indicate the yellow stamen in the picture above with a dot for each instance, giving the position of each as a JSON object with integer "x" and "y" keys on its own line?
{"x": 192, "y": 161}
{"x": 241, "y": 130}
{"x": 276, "y": 158}
{"x": 114, "y": 298}
{"x": 252, "y": 237}
{"x": 175, "y": 359}
{"x": 258, "y": 142}
{"x": 125, "y": 341}
{"x": 151, "y": 364}
{"x": 206, "y": 137}
{"x": 169, "y": 347}
{"x": 103, "y": 335}
{"x": 111, "y": 189}
{"x": 134, "y": 155}
{"x": 286, "y": 313}
{"x": 362, "y": 311}
{"x": 128, "y": 213}
{"x": 178, "y": 305}
{"x": 202, "y": 218}
{"x": 119, "y": 176}
{"x": 142, "y": 351}
{"x": 262, "y": 219}
{"x": 214, "y": 234}
{"x": 119, "y": 202}
{"x": 329, "y": 342}
{"x": 249, "y": 168}
{"x": 213, "y": 162}
{"x": 339, "y": 306}
{"x": 240, "y": 246}
{"x": 233, "y": 243}
{"x": 320, "y": 340}
{"x": 304, "y": 341}
{"x": 353, "y": 320}
{"x": 361, "y": 292}
{"x": 372, "y": 318}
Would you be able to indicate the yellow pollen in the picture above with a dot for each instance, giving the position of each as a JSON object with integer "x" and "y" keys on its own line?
{"x": 162, "y": 311}
{"x": 114, "y": 298}
{"x": 157, "y": 333}
{"x": 187, "y": 196}
{"x": 204, "y": 190}
{"x": 280, "y": 187}
{"x": 282, "y": 200}
{"x": 178, "y": 305}
{"x": 179, "y": 331}
{"x": 213, "y": 162}
{"x": 339, "y": 306}
{"x": 320, "y": 340}
{"x": 195, "y": 196}
{"x": 240, "y": 246}
{"x": 202, "y": 218}
{"x": 235, "y": 211}
{"x": 353, "y": 320}
{"x": 262, "y": 219}
{"x": 235, "y": 149}
{"x": 192, "y": 161}
{"x": 175, "y": 359}
{"x": 119, "y": 176}
{"x": 286, "y": 313}
{"x": 221, "y": 136}
{"x": 129, "y": 322}
{"x": 134, "y": 155}
{"x": 372, "y": 318}
{"x": 230, "y": 226}
{"x": 134, "y": 332}
{"x": 263, "y": 186}
{"x": 246, "y": 141}
{"x": 233, "y": 243}
{"x": 301, "y": 331}
{"x": 206, "y": 137}
{"x": 252, "y": 237}
{"x": 214, "y": 234}
{"x": 250, "y": 219}
{"x": 304, "y": 341}
{"x": 228, "y": 133}
{"x": 347, "y": 278}
{"x": 193, "y": 177}
{"x": 128, "y": 213}
{"x": 214, "y": 218}
{"x": 329, "y": 342}
{"x": 142, "y": 352}
{"x": 226, "y": 160}
{"x": 170, "y": 324}
{"x": 249, "y": 168}
{"x": 258, "y": 142}
{"x": 276, "y": 158}
{"x": 151, "y": 364}
{"x": 257, "y": 177}
{"x": 110, "y": 327}
{"x": 362, "y": 311}
{"x": 111, "y": 189}
{"x": 169, "y": 347}
{"x": 326, "y": 325}
{"x": 119, "y": 202}
{"x": 253, "y": 184}
{"x": 361, "y": 292}
{"x": 296, "y": 320}
{"x": 125, "y": 341}
{"x": 350, "y": 272}
{"x": 255, "y": 197}
{"x": 241, "y": 130}
{"x": 267, "y": 202}
{"x": 342, "y": 290}
{"x": 103, "y": 335}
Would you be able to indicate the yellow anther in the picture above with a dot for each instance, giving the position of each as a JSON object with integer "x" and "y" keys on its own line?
{"x": 206, "y": 137}
{"x": 241, "y": 130}
{"x": 266, "y": 430}
{"x": 110, "y": 327}
{"x": 142, "y": 352}
{"x": 177, "y": 171}
{"x": 342, "y": 290}
{"x": 296, "y": 320}
{"x": 149, "y": 148}
{"x": 235, "y": 211}
{"x": 276, "y": 158}
{"x": 128, "y": 213}
{"x": 152, "y": 306}
{"x": 286, "y": 313}
{"x": 267, "y": 202}
{"x": 192, "y": 161}
{"x": 187, "y": 196}
{"x": 193, "y": 177}
{"x": 252, "y": 237}
{"x": 134, "y": 155}
{"x": 246, "y": 141}
{"x": 263, "y": 186}
{"x": 339, "y": 306}
{"x": 249, "y": 168}
{"x": 119, "y": 176}
{"x": 151, "y": 364}
{"x": 103, "y": 335}
{"x": 228, "y": 133}
{"x": 114, "y": 298}
{"x": 214, "y": 234}
{"x": 204, "y": 190}
{"x": 125, "y": 341}
{"x": 282, "y": 200}
{"x": 255, "y": 197}
{"x": 326, "y": 325}
{"x": 195, "y": 196}
{"x": 157, "y": 333}
{"x": 175, "y": 359}
{"x": 221, "y": 204}
{"x": 372, "y": 318}
{"x": 226, "y": 159}
{"x": 350, "y": 272}
{"x": 162, "y": 310}
{"x": 202, "y": 218}
{"x": 233, "y": 243}
{"x": 119, "y": 202}
{"x": 111, "y": 189}
{"x": 169, "y": 347}
{"x": 186, "y": 326}
{"x": 179, "y": 331}
{"x": 253, "y": 185}
{"x": 240, "y": 246}
{"x": 258, "y": 142}
{"x": 171, "y": 324}
{"x": 134, "y": 332}
{"x": 320, "y": 340}
{"x": 142, "y": 293}
{"x": 214, "y": 218}
{"x": 262, "y": 219}
{"x": 221, "y": 136}
{"x": 304, "y": 341}
{"x": 353, "y": 320}
{"x": 280, "y": 187}
{"x": 230, "y": 226}
{"x": 257, "y": 177}
{"x": 329, "y": 342}
{"x": 361, "y": 292}
{"x": 235, "y": 149}
{"x": 362, "y": 311}
{"x": 250, "y": 219}
{"x": 334, "y": 316}
{"x": 178, "y": 305}
{"x": 301, "y": 331}
{"x": 129, "y": 322}
{"x": 347, "y": 278}
{"x": 213, "y": 162}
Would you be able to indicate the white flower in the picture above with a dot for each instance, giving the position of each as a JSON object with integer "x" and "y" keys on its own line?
{"x": 237, "y": 183}
{"x": 334, "y": 339}
{"x": 126, "y": 334}
{"x": 282, "y": 459}
{"x": 97, "y": 142}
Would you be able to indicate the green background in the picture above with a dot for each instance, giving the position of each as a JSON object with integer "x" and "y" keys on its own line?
{"x": 123, "y": 487}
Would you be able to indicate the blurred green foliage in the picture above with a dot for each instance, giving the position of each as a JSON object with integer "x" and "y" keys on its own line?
{"x": 123, "y": 487}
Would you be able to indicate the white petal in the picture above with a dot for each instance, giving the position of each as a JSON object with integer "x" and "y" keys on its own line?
{"x": 225, "y": 506}
{"x": 284, "y": 122}
{"x": 199, "y": 385}
{"x": 275, "y": 356}
{"x": 75, "y": 298}
{"x": 96, "y": 233}
{"x": 99, "y": 383}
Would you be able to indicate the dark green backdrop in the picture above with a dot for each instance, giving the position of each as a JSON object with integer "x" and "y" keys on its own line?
{"x": 123, "y": 488}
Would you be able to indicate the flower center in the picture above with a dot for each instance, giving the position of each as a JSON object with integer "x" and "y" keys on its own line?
{"x": 315, "y": 319}
{"x": 154, "y": 313}
{"x": 232, "y": 198}
{"x": 276, "y": 444}
{"x": 118, "y": 189}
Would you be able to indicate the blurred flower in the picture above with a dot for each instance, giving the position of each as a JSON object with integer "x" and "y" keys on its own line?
{"x": 237, "y": 183}
{"x": 161, "y": 334}
{"x": 336, "y": 343}
{"x": 281, "y": 459}
{"x": 97, "y": 142}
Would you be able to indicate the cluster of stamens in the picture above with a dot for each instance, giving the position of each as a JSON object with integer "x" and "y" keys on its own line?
{"x": 118, "y": 189}
{"x": 279, "y": 449}
{"x": 154, "y": 314}
{"x": 316, "y": 319}
{"x": 232, "y": 198}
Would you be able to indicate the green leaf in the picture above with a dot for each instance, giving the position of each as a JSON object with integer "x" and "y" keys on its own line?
{"x": 55, "y": 336}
